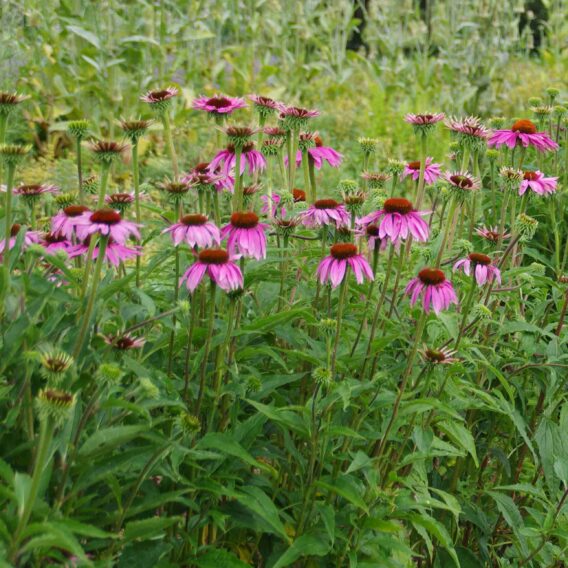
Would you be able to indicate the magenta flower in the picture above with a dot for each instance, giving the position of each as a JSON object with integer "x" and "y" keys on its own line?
{"x": 424, "y": 119}
{"x": 325, "y": 212}
{"x": 52, "y": 242}
{"x": 30, "y": 237}
{"x": 33, "y": 191}
{"x": 124, "y": 342}
{"x": 115, "y": 253}
{"x": 483, "y": 269}
{"x": 436, "y": 291}
{"x": 250, "y": 158}
{"x": 66, "y": 220}
{"x": 320, "y": 154}
{"x": 159, "y": 97}
{"x": 334, "y": 267}
{"x": 398, "y": 220}
{"x": 196, "y": 231}
{"x": 431, "y": 172}
{"x": 218, "y": 105}
{"x": 201, "y": 176}
{"x": 523, "y": 132}
{"x": 218, "y": 265}
{"x": 371, "y": 233}
{"x": 108, "y": 223}
{"x": 295, "y": 118}
{"x": 246, "y": 235}
{"x": 272, "y": 211}
{"x": 492, "y": 234}
{"x": 265, "y": 106}
{"x": 536, "y": 182}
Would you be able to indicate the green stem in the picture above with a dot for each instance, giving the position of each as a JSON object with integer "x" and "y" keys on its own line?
{"x": 447, "y": 228}
{"x": 103, "y": 241}
{"x": 207, "y": 347}
{"x": 283, "y": 271}
{"x": 170, "y": 144}
{"x": 340, "y": 307}
{"x": 466, "y": 309}
{"x": 420, "y": 188}
{"x": 80, "y": 172}
{"x": 238, "y": 192}
{"x": 136, "y": 183}
{"x": 7, "y": 228}
{"x": 312, "y": 172}
{"x": 292, "y": 158}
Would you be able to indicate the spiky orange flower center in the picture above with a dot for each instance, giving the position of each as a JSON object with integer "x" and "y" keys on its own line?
{"x": 435, "y": 356}
{"x": 479, "y": 258}
{"x": 525, "y": 126}
{"x": 318, "y": 141}
{"x": 58, "y": 396}
{"x": 299, "y": 195}
{"x": 75, "y": 210}
{"x": 15, "y": 229}
{"x": 530, "y": 176}
{"x": 372, "y": 230}
{"x": 202, "y": 167}
{"x": 414, "y": 165}
{"x": 52, "y": 238}
{"x": 193, "y": 220}
{"x": 326, "y": 204}
{"x": 461, "y": 181}
{"x": 213, "y": 256}
{"x": 343, "y": 250}
{"x": 431, "y": 276}
{"x": 397, "y": 205}
{"x": 219, "y": 102}
{"x": 106, "y": 217}
{"x": 246, "y": 220}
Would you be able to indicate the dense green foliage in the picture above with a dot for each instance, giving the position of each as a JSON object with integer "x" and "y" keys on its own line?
{"x": 288, "y": 423}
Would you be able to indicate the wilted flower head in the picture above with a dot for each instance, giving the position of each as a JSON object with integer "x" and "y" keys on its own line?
{"x": 264, "y": 106}
{"x": 354, "y": 202}
{"x": 54, "y": 404}
{"x": 423, "y": 123}
{"x": 9, "y": 101}
{"x": 218, "y": 106}
{"x": 134, "y": 129}
{"x": 492, "y": 234}
{"x": 13, "y": 154}
{"x": 510, "y": 178}
{"x": 78, "y": 128}
{"x": 160, "y": 100}
{"x": 376, "y": 180}
{"x": 120, "y": 201}
{"x": 285, "y": 227}
{"x": 106, "y": 151}
{"x": 176, "y": 190}
{"x": 274, "y": 132}
{"x": 295, "y": 118}
{"x": 272, "y": 146}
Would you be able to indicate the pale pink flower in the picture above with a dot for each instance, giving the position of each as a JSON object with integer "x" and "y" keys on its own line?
{"x": 325, "y": 212}
{"x": 219, "y": 266}
{"x": 108, "y": 223}
{"x": 431, "y": 172}
{"x": 333, "y": 268}
{"x": 536, "y": 182}
{"x": 250, "y": 158}
{"x": 246, "y": 235}
{"x": 523, "y": 132}
{"x": 436, "y": 292}
{"x": 484, "y": 270}
{"x": 65, "y": 221}
{"x": 196, "y": 231}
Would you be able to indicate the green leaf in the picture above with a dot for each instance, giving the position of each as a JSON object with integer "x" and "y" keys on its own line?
{"x": 86, "y": 35}
{"x": 149, "y": 528}
{"x": 346, "y": 486}
{"x": 108, "y": 438}
{"x": 306, "y": 545}
{"x": 438, "y": 531}
{"x": 219, "y": 558}
{"x": 461, "y": 436}
{"x": 22, "y": 486}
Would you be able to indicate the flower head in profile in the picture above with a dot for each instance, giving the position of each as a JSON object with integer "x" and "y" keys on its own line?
{"x": 219, "y": 266}
{"x": 135, "y": 129}
{"x": 32, "y": 192}
{"x": 107, "y": 151}
{"x": 371, "y": 233}
{"x": 54, "y": 404}
{"x": 264, "y": 106}
{"x": 431, "y": 171}
{"x": 272, "y": 146}
{"x": 295, "y": 118}
{"x": 9, "y": 102}
{"x": 115, "y": 253}
{"x": 13, "y": 154}
{"x": 160, "y": 99}
{"x": 317, "y": 152}
{"x": 285, "y": 227}
{"x": 398, "y": 220}
{"x": 246, "y": 235}
{"x": 436, "y": 292}
{"x": 537, "y": 183}
{"x": 469, "y": 132}
{"x": 325, "y": 212}
{"x": 107, "y": 223}
{"x": 176, "y": 190}
{"x": 195, "y": 230}
{"x": 523, "y": 132}
{"x": 64, "y": 222}
{"x": 124, "y": 341}
{"x": 78, "y": 128}
{"x": 53, "y": 242}
{"x": 250, "y": 158}
{"x": 30, "y": 238}
{"x": 492, "y": 234}
{"x": 483, "y": 269}
{"x": 54, "y": 365}
{"x": 333, "y": 268}
{"x": 121, "y": 201}
{"x": 202, "y": 178}
{"x": 368, "y": 145}
{"x": 218, "y": 105}
{"x": 443, "y": 356}
{"x": 376, "y": 180}
{"x": 462, "y": 184}
{"x": 424, "y": 123}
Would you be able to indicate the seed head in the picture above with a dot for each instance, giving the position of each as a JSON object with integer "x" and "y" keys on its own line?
{"x": 12, "y": 154}
{"x": 368, "y": 145}
{"x": 9, "y": 102}
{"x": 54, "y": 365}
{"x": 134, "y": 129}
{"x": 78, "y": 128}
{"x": 323, "y": 377}
{"x": 348, "y": 186}
{"x": 54, "y": 404}
{"x": 526, "y": 227}
{"x": 107, "y": 151}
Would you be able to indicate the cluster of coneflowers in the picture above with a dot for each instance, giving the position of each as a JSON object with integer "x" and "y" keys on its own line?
{"x": 223, "y": 224}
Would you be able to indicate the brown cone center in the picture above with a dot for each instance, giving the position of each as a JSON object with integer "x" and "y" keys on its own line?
{"x": 431, "y": 276}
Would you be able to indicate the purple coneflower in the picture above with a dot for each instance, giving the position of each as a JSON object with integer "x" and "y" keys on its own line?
{"x": 32, "y": 192}
{"x": 52, "y": 242}
{"x": 115, "y": 253}
{"x": 443, "y": 356}
{"x": 398, "y": 220}
{"x": 30, "y": 237}
{"x": 325, "y": 212}
{"x": 264, "y": 105}
{"x": 160, "y": 99}
{"x": 121, "y": 201}
{"x": 250, "y": 158}
{"x": 462, "y": 182}
{"x": 492, "y": 234}
{"x": 431, "y": 172}
{"x": 196, "y": 231}
{"x": 423, "y": 123}
{"x": 320, "y": 154}
{"x": 524, "y": 132}
{"x": 484, "y": 271}
{"x": 437, "y": 292}
{"x": 536, "y": 182}
{"x": 124, "y": 342}
{"x": 108, "y": 223}
{"x": 295, "y": 118}
{"x": 66, "y": 220}
{"x": 218, "y": 265}
{"x": 469, "y": 131}
{"x": 334, "y": 267}
{"x": 371, "y": 232}
{"x": 246, "y": 235}
{"x": 201, "y": 176}
{"x": 218, "y": 105}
